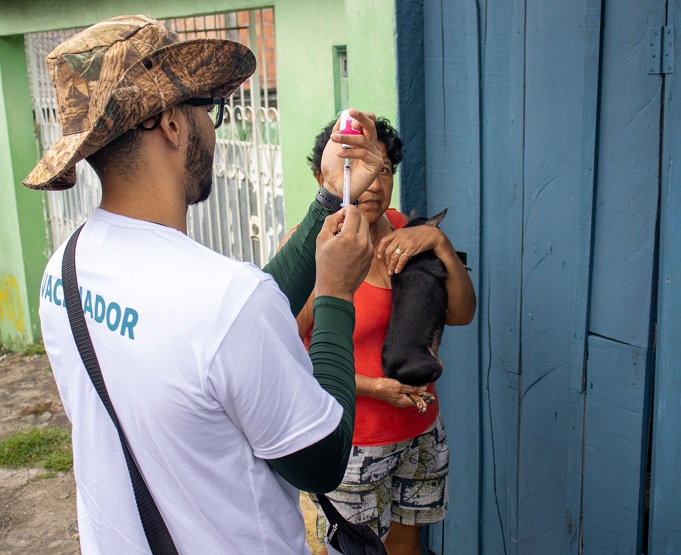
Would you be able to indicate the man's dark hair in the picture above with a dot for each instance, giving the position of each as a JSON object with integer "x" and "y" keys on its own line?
{"x": 123, "y": 150}
{"x": 385, "y": 134}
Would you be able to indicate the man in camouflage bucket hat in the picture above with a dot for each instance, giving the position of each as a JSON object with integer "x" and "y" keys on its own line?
{"x": 98, "y": 101}
{"x": 200, "y": 353}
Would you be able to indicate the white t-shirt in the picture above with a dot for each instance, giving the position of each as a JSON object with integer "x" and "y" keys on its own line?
{"x": 204, "y": 366}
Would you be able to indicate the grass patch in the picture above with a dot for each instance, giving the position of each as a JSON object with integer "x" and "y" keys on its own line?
{"x": 48, "y": 448}
{"x": 32, "y": 349}
{"x": 46, "y": 476}
{"x": 26, "y": 349}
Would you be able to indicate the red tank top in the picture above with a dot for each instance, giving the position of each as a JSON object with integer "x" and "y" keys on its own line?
{"x": 378, "y": 422}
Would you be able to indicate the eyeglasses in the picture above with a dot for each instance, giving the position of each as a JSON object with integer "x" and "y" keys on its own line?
{"x": 214, "y": 106}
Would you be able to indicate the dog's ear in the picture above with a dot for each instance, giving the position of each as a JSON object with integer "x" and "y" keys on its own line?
{"x": 414, "y": 214}
{"x": 435, "y": 220}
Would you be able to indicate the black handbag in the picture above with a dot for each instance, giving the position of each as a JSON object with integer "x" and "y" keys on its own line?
{"x": 155, "y": 529}
{"x": 349, "y": 538}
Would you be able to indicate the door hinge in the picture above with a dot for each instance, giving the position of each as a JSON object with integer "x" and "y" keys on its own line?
{"x": 661, "y": 50}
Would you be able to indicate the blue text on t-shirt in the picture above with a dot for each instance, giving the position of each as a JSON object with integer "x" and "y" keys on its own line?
{"x": 116, "y": 318}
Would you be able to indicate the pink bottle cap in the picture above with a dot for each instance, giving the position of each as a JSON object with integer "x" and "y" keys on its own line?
{"x": 346, "y": 127}
{"x": 346, "y": 124}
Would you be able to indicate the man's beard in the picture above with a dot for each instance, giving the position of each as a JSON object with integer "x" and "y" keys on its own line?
{"x": 198, "y": 166}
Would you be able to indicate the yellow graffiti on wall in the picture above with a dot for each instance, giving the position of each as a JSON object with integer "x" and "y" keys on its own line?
{"x": 10, "y": 302}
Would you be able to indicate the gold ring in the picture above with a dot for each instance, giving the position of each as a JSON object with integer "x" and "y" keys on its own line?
{"x": 398, "y": 251}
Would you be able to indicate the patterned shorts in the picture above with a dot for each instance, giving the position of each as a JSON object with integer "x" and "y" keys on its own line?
{"x": 404, "y": 482}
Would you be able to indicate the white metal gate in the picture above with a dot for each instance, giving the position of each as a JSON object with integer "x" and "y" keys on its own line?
{"x": 244, "y": 217}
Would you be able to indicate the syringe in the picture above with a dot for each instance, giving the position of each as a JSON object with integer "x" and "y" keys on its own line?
{"x": 346, "y": 183}
{"x": 347, "y": 129}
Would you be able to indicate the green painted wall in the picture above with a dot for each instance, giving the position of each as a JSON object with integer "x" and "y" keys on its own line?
{"x": 23, "y": 238}
{"x": 306, "y": 78}
{"x": 372, "y": 61}
{"x": 306, "y": 31}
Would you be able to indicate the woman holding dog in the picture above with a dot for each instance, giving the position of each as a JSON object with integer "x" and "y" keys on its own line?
{"x": 396, "y": 479}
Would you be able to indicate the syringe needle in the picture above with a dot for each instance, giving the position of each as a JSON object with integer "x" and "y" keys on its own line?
{"x": 346, "y": 183}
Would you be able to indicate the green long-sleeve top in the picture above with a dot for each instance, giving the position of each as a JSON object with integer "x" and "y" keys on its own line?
{"x": 319, "y": 467}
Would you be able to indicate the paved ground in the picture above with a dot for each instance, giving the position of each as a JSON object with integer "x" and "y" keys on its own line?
{"x": 37, "y": 514}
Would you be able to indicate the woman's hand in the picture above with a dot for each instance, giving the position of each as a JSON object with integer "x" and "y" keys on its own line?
{"x": 396, "y": 248}
{"x": 365, "y": 157}
{"x": 388, "y": 390}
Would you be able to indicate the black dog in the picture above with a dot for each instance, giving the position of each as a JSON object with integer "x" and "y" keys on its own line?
{"x": 419, "y": 308}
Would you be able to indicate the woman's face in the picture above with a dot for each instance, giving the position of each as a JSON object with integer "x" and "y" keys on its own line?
{"x": 376, "y": 199}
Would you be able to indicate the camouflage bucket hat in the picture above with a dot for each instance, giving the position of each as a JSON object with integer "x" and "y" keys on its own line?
{"x": 118, "y": 73}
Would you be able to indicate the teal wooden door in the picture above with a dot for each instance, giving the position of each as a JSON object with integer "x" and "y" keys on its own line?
{"x": 542, "y": 130}
{"x": 665, "y": 488}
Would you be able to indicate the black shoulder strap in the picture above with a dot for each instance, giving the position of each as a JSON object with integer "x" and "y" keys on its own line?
{"x": 160, "y": 541}
{"x": 331, "y": 513}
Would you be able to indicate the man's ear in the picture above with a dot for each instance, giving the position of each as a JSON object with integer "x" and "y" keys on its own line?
{"x": 319, "y": 177}
{"x": 172, "y": 121}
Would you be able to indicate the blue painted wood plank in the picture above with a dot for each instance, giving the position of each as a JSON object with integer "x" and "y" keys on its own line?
{"x": 617, "y": 403}
{"x": 628, "y": 175}
{"x": 586, "y": 190}
{"x": 544, "y": 440}
{"x": 452, "y": 162}
{"x": 573, "y": 494}
{"x": 665, "y": 497}
{"x": 411, "y": 104}
{"x": 559, "y": 121}
{"x": 503, "y": 51}
{"x": 582, "y": 276}
{"x": 455, "y": 159}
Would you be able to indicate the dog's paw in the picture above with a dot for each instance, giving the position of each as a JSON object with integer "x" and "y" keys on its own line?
{"x": 428, "y": 398}
{"x": 420, "y": 402}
